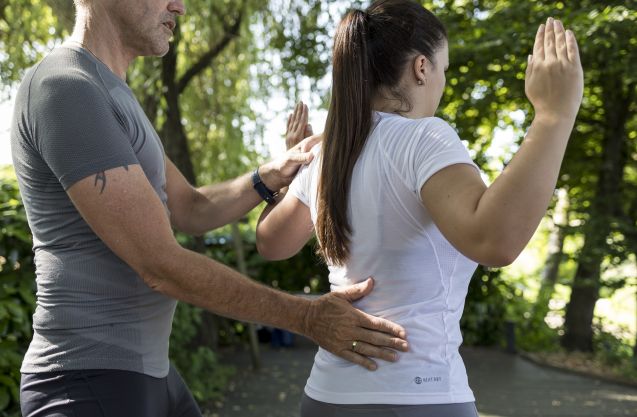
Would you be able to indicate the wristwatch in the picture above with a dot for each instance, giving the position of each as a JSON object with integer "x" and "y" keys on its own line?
{"x": 265, "y": 193}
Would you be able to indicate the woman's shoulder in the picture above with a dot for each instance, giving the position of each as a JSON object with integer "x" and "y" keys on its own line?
{"x": 316, "y": 149}
{"x": 426, "y": 128}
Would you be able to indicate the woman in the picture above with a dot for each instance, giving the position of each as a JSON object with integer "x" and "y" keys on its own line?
{"x": 392, "y": 193}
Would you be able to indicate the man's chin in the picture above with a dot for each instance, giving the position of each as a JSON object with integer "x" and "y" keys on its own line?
{"x": 157, "y": 50}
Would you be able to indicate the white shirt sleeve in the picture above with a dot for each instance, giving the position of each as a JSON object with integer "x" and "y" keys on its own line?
{"x": 300, "y": 186}
{"x": 438, "y": 146}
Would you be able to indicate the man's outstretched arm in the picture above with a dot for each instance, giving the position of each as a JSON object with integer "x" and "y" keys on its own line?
{"x": 198, "y": 210}
{"x": 122, "y": 208}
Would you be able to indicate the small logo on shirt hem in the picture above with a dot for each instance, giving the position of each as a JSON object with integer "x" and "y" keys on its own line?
{"x": 420, "y": 380}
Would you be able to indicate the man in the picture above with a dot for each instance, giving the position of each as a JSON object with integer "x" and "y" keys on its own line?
{"x": 101, "y": 198}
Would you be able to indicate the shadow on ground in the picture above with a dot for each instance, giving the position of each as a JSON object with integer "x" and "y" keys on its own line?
{"x": 505, "y": 386}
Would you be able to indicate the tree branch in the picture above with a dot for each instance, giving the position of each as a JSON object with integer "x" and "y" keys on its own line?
{"x": 230, "y": 32}
{"x": 3, "y": 5}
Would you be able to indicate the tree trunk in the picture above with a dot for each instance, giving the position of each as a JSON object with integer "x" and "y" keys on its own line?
{"x": 635, "y": 345}
{"x": 241, "y": 266}
{"x": 604, "y": 208}
{"x": 172, "y": 132}
{"x": 176, "y": 146}
{"x": 553, "y": 260}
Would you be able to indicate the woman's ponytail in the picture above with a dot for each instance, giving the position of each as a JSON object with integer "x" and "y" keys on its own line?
{"x": 371, "y": 51}
{"x": 348, "y": 124}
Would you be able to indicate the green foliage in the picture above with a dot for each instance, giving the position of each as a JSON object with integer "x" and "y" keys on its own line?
{"x": 612, "y": 349}
{"x": 303, "y": 273}
{"x": 17, "y": 300}
{"x": 198, "y": 365}
{"x": 485, "y": 310}
{"x": 28, "y": 28}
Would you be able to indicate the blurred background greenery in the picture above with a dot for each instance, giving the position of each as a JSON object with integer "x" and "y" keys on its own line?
{"x": 219, "y": 100}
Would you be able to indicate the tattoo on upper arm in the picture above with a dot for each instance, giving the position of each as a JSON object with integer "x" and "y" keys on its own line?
{"x": 100, "y": 176}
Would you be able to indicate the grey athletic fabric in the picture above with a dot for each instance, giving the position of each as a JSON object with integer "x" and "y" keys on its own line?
{"x": 313, "y": 408}
{"x": 73, "y": 119}
{"x": 105, "y": 393}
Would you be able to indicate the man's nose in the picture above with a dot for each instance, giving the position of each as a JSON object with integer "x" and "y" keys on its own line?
{"x": 177, "y": 7}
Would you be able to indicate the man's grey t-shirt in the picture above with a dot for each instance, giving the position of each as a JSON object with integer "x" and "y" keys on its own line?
{"x": 73, "y": 119}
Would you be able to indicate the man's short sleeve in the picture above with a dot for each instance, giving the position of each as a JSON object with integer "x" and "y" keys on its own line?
{"x": 76, "y": 129}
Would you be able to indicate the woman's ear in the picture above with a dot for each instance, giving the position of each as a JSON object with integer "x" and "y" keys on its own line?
{"x": 421, "y": 69}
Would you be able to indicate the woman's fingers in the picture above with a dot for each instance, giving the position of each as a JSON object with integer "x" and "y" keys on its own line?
{"x": 572, "y": 48}
{"x": 554, "y": 80}
{"x": 299, "y": 118}
{"x": 295, "y": 117}
{"x": 297, "y": 125}
{"x": 538, "y": 47}
{"x": 560, "y": 39}
{"x": 549, "y": 40}
{"x": 308, "y": 131}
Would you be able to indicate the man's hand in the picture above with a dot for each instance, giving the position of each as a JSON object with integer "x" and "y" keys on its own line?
{"x": 351, "y": 334}
{"x": 279, "y": 173}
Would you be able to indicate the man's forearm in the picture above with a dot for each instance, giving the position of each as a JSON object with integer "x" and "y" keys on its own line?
{"x": 198, "y": 280}
{"x": 216, "y": 205}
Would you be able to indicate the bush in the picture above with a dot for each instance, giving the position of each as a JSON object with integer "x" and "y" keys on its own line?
{"x": 613, "y": 350}
{"x": 197, "y": 364}
{"x": 305, "y": 272}
{"x": 485, "y": 311}
{"x": 17, "y": 289}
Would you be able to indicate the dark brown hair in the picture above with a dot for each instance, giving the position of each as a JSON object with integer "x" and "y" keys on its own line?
{"x": 371, "y": 49}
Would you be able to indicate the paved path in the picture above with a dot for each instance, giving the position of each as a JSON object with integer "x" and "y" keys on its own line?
{"x": 504, "y": 385}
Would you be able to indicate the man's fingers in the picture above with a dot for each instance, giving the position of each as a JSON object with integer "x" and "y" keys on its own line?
{"x": 549, "y": 40}
{"x": 356, "y": 291}
{"x": 303, "y": 158}
{"x": 382, "y": 340}
{"x": 382, "y": 325}
{"x": 529, "y": 67}
{"x": 373, "y": 351}
{"x": 358, "y": 359}
{"x": 538, "y": 47}
{"x": 572, "y": 48}
{"x": 308, "y": 143}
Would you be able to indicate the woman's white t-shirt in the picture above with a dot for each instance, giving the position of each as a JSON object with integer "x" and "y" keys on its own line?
{"x": 421, "y": 280}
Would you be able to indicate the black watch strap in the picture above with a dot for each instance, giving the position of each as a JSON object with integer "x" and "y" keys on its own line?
{"x": 265, "y": 193}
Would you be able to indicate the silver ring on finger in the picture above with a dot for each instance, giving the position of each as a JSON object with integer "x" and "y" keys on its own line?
{"x": 354, "y": 344}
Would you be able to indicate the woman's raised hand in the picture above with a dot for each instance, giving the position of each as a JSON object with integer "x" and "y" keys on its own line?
{"x": 298, "y": 127}
{"x": 554, "y": 76}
